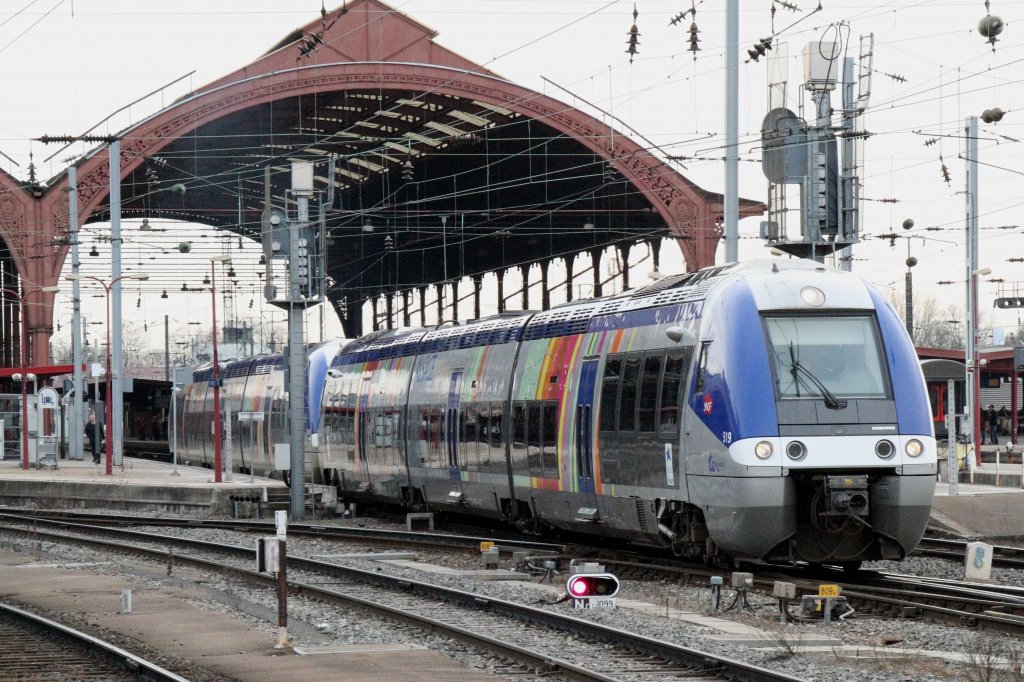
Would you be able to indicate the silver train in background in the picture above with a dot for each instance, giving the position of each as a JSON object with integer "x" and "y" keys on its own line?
{"x": 770, "y": 410}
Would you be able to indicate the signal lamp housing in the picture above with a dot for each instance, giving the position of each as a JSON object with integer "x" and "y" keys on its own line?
{"x": 602, "y": 585}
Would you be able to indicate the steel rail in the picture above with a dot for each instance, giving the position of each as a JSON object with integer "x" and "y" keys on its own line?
{"x": 308, "y": 529}
{"x": 707, "y": 663}
{"x": 116, "y": 656}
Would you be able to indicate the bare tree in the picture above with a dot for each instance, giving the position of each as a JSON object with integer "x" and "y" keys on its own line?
{"x": 934, "y": 326}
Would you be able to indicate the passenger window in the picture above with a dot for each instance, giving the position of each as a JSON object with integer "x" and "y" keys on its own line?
{"x": 675, "y": 370}
{"x": 519, "y": 438}
{"x": 610, "y": 393}
{"x": 627, "y": 404}
{"x": 648, "y": 398}
{"x": 533, "y": 439}
{"x": 497, "y": 439}
{"x": 549, "y": 429}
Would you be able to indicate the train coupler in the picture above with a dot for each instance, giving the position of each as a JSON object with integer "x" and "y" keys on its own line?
{"x": 846, "y": 495}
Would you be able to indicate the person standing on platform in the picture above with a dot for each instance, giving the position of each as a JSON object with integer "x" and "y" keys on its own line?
{"x": 94, "y": 432}
{"x": 992, "y": 422}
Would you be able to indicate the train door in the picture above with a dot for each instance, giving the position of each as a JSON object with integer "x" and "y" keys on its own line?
{"x": 584, "y": 433}
{"x": 451, "y": 422}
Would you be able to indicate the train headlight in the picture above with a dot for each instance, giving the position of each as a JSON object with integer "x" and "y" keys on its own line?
{"x": 885, "y": 449}
{"x": 914, "y": 448}
{"x": 796, "y": 450}
{"x": 812, "y": 296}
{"x": 763, "y": 450}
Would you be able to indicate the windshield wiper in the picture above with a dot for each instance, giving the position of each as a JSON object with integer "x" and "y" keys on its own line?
{"x": 831, "y": 402}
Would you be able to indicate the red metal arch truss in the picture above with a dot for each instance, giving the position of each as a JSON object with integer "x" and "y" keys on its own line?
{"x": 34, "y": 224}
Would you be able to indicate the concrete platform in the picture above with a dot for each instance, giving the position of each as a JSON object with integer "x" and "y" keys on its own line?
{"x": 139, "y": 485}
{"x": 167, "y": 618}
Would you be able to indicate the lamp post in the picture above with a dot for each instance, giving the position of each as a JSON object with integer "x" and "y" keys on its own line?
{"x": 174, "y": 428}
{"x": 974, "y": 387}
{"x": 218, "y": 434}
{"x": 24, "y": 364}
{"x": 108, "y": 407}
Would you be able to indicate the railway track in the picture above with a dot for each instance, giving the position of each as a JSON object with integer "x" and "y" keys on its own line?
{"x": 36, "y": 648}
{"x": 1003, "y": 556}
{"x": 998, "y": 607}
{"x": 889, "y": 595}
{"x": 527, "y": 635}
{"x": 380, "y": 535}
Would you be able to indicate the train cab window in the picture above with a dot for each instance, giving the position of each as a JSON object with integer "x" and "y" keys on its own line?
{"x": 839, "y": 355}
{"x": 702, "y": 367}
{"x": 668, "y": 411}
{"x": 648, "y": 398}
{"x": 610, "y": 393}
{"x": 627, "y": 403}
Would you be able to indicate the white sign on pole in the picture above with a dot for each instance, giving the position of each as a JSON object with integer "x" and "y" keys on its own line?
{"x": 281, "y": 523}
{"x": 48, "y": 398}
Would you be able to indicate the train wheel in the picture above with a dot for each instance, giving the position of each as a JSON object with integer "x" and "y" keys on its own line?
{"x": 286, "y": 476}
{"x": 851, "y": 566}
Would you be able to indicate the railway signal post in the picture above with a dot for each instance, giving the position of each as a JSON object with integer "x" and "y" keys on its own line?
{"x": 300, "y": 244}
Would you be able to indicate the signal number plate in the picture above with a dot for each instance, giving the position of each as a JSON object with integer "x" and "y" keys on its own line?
{"x": 594, "y": 603}
{"x": 828, "y": 590}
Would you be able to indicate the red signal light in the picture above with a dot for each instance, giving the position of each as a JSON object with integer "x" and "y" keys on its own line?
{"x": 592, "y": 585}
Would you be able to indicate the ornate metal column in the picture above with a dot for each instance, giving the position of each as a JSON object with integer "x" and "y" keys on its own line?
{"x": 595, "y": 263}
{"x": 500, "y": 274}
{"x": 624, "y": 250}
{"x": 545, "y": 294}
{"x": 455, "y": 299}
{"x": 478, "y": 281}
{"x": 568, "y": 276}
{"x": 525, "y": 269}
{"x": 423, "y": 305}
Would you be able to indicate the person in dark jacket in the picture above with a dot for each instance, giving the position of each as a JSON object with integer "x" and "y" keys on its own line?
{"x": 992, "y": 425}
{"x": 94, "y": 432}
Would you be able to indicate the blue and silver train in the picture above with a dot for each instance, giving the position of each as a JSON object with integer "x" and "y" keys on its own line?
{"x": 770, "y": 410}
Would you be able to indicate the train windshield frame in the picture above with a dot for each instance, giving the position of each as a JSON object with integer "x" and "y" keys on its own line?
{"x": 813, "y": 356}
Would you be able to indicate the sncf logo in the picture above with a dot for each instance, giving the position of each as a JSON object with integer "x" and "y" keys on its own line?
{"x": 708, "y": 405}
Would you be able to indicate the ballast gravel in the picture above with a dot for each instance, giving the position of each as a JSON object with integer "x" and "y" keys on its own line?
{"x": 961, "y": 653}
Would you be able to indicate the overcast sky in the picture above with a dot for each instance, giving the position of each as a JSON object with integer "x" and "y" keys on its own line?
{"x": 68, "y": 65}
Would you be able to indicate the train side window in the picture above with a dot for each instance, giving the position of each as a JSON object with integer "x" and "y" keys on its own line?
{"x": 519, "y": 438}
{"x": 549, "y": 439}
{"x": 702, "y": 367}
{"x": 435, "y": 437}
{"x": 610, "y": 392}
{"x": 468, "y": 438}
{"x": 627, "y": 403}
{"x": 482, "y": 448}
{"x": 668, "y": 413}
{"x": 648, "y": 398}
{"x": 496, "y": 435}
{"x": 533, "y": 438}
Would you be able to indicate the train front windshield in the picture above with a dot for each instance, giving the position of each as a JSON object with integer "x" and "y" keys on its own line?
{"x": 814, "y": 357}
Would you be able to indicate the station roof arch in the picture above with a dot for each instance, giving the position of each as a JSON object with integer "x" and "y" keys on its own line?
{"x": 443, "y": 168}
